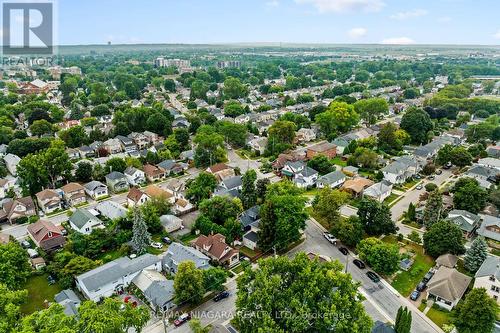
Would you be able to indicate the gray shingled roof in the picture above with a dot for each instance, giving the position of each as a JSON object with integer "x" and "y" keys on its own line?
{"x": 114, "y": 270}
{"x": 81, "y": 216}
{"x": 489, "y": 221}
{"x": 332, "y": 177}
{"x": 180, "y": 253}
{"x": 490, "y": 267}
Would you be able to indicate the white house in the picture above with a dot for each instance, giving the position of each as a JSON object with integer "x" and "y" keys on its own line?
{"x": 447, "y": 287}
{"x": 84, "y": 221}
{"x": 96, "y": 190}
{"x": 11, "y": 162}
{"x": 488, "y": 277}
{"x": 302, "y": 175}
{"x": 135, "y": 176}
{"x": 489, "y": 162}
{"x": 171, "y": 222}
{"x": 379, "y": 191}
{"x": 401, "y": 169}
{"x": 332, "y": 179}
{"x": 114, "y": 276}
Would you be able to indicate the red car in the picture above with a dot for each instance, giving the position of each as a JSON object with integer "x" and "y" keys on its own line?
{"x": 182, "y": 319}
{"x": 127, "y": 298}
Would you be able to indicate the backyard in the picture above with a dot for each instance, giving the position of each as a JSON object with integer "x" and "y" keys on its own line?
{"x": 39, "y": 291}
{"x": 439, "y": 316}
{"x": 406, "y": 281}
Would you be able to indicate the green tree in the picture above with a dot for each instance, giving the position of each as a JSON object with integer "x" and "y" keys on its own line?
{"x": 221, "y": 208}
{"x": 151, "y": 217}
{"x": 201, "y": 187}
{"x": 375, "y": 217}
{"x": 74, "y": 136}
{"x": 382, "y": 257}
{"x": 433, "y": 211}
{"x": 234, "y": 134}
{"x": 417, "y": 123}
{"x": 41, "y": 127}
{"x": 403, "y": 320}
{"x": 32, "y": 174}
{"x": 78, "y": 265}
{"x": 327, "y": 205}
{"x": 14, "y": 265}
{"x": 169, "y": 85}
{"x": 469, "y": 195}
{"x": 321, "y": 164}
{"x": 443, "y": 237}
{"x": 476, "y": 254}
{"x": 10, "y": 307}
{"x": 116, "y": 164}
{"x": 282, "y": 218}
{"x": 214, "y": 279}
{"x": 188, "y": 283}
{"x": 349, "y": 231}
{"x": 476, "y": 313}
{"x": 248, "y": 192}
{"x": 281, "y": 135}
{"x": 234, "y": 89}
{"x": 307, "y": 290}
{"x": 209, "y": 146}
{"x": 196, "y": 327}
{"x": 140, "y": 237}
{"x": 83, "y": 172}
{"x": 411, "y": 213}
{"x": 340, "y": 117}
{"x": 56, "y": 162}
{"x": 370, "y": 109}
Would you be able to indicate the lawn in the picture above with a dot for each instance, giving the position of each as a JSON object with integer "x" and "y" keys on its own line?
{"x": 315, "y": 216}
{"x": 461, "y": 268}
{"x": 438, "y": 316}
{"x": 248, "y": 252}
{"x": 411, "y": 183}
{"x": 111, "y": 255}
{"x": 238, "y": 269}
{"x": 422, "y": 307}
{"x": 338, "y": 161}
{"x": 187, "y": 238}
{"x": 391, "y": 198}
{"x": 405, "y": 282}
{"x": 38, "y": 292}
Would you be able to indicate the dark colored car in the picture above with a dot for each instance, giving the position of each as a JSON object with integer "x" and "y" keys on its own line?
{"x": 51, "y": 280}
{"x": 415, "y": 295}
{"x": 344, "y": 250}
{"x": 222, "y": 295}
{"x": 421, "y": 286}
{"x": 358, "y": 263}
{"x": 182, "y": 319}
{"x": 166, "y": 240}
{"x": 25, "y": 244}
{"x": 372, "y": 276}
{"x": 428, "y": 276}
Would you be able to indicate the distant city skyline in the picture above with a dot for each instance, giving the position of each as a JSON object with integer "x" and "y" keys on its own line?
{"x": 287, "y": 21}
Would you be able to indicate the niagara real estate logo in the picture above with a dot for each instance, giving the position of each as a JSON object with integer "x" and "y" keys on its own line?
{"x": 27, "y": 28}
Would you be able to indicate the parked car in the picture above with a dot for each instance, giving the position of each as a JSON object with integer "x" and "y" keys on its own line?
{"x": 329, "y": 237}
{"x": 156, "y": 245}
{"x": 358, "y": 263}
{"x": 182, "y": 319}
{"x": 25, "y": 244}
{"x": 419, "y": 187}
{"x": 166, "y": 240}
{"x": 417, "y": 177}
{"x": 438, "y": 172}
{"x": 344, "y": 250}
{"x": 51, "y": 280}
{"x": 428, "y": 276}
{"x": 431, "y": 177}
{"x": 222, "y": 295}
{"x": 415, "y": 295}
{"x": 372, "y": 276}
{"x": 421, "y": 286}
{"x": 447, "y": 166}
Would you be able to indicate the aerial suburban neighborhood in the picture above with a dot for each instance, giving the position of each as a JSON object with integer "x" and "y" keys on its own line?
{"x": 150, "y": 187}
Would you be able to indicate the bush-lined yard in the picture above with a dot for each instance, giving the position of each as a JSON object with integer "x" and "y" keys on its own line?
{"x": 39, "y": 291}
{"x": 439, "y": 316}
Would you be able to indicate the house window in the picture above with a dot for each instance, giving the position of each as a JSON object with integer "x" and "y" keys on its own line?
{"x": 492, "y": 278}
{"x": 495, "y": 288}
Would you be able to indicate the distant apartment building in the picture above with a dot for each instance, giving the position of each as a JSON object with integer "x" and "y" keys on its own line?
{"x": 178, "y": 63}
{"x": 228, "y": 64}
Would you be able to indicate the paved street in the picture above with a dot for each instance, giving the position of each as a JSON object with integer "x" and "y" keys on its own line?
{"x": 382, "y": 301}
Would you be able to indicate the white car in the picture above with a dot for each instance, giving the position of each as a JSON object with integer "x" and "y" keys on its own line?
{"x": 156, "y": 245}
{"x": 329, "y": 237}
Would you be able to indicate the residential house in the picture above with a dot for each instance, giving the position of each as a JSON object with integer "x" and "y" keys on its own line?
{"x": 37, "y": 263}
{"x": 171, "y": 167}
{"x": 350, "y": 170}
{"x": 113, "y": 146}
{"x": 141, "y": 141}
{"x": 153, "y": 173}
{"x": 493, "y": 151}
{"x": 467, "y": 221}
{"x": 84, "y": 222}
{"x": 324, "y": 148}
{"x": 447, "y": 260}
{"x": 402, "y": 169}
{"x": 489, "y": 162}
{"x": 301, "y": 175}
{"x": 153, "y": 138}
{"x": 341, "y": 143}
{"x": 12, "y": 210}
{"x": 379, "y": 191}
{"x": 251, "y": 239}
{"x": 250, "y": 218}
{"x": 488, "y": 277}
{"x": 486, "y": 176}
{"x": 305, "y": 135}
{"x": 136, "y": 197}
{"x": 447, "y": 287}
{"x": 5, "y": 185}
{"x": 333, "y": 179}
{"x": 46, "y": 235}
{"x": 490, "y": 227}
{"x": 111, "y": 210}
{"x": 356, "y": 186}
{"x": 96, "y": 190}
{"x": 86, "y": 151}
{"x": 221, "y": 171}
{"x": 11, "y": 162}
{"x": 114, "y": 276}
{"x": 229, "y": 186}
{"x": 49, "y": 201}
{"x": 178, "y": 253}
{"x": 74, "y": 194}
{"x": 154, "y": 191}
{"x": 69, "y": 301}
{"x": 171, "y": 223}
{"x": 116, "y": 182}
{"x": 158, "y": 291}
{"x": 127, "y": 144}
{"x": 180, "y": 122}
{"x": 215, "y": 247}
{"x": 135, "y": 176}
{"x": 430, "y": 150}
{"x": 258, "y": 144}
{"x": 72, "y": 153}
{"x": 182, "y": 206}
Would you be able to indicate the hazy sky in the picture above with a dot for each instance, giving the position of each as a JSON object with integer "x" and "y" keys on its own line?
{"x": 300, "y": 21}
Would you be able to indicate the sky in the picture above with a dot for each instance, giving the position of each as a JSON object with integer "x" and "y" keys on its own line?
{"x": 287, "y": 21}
